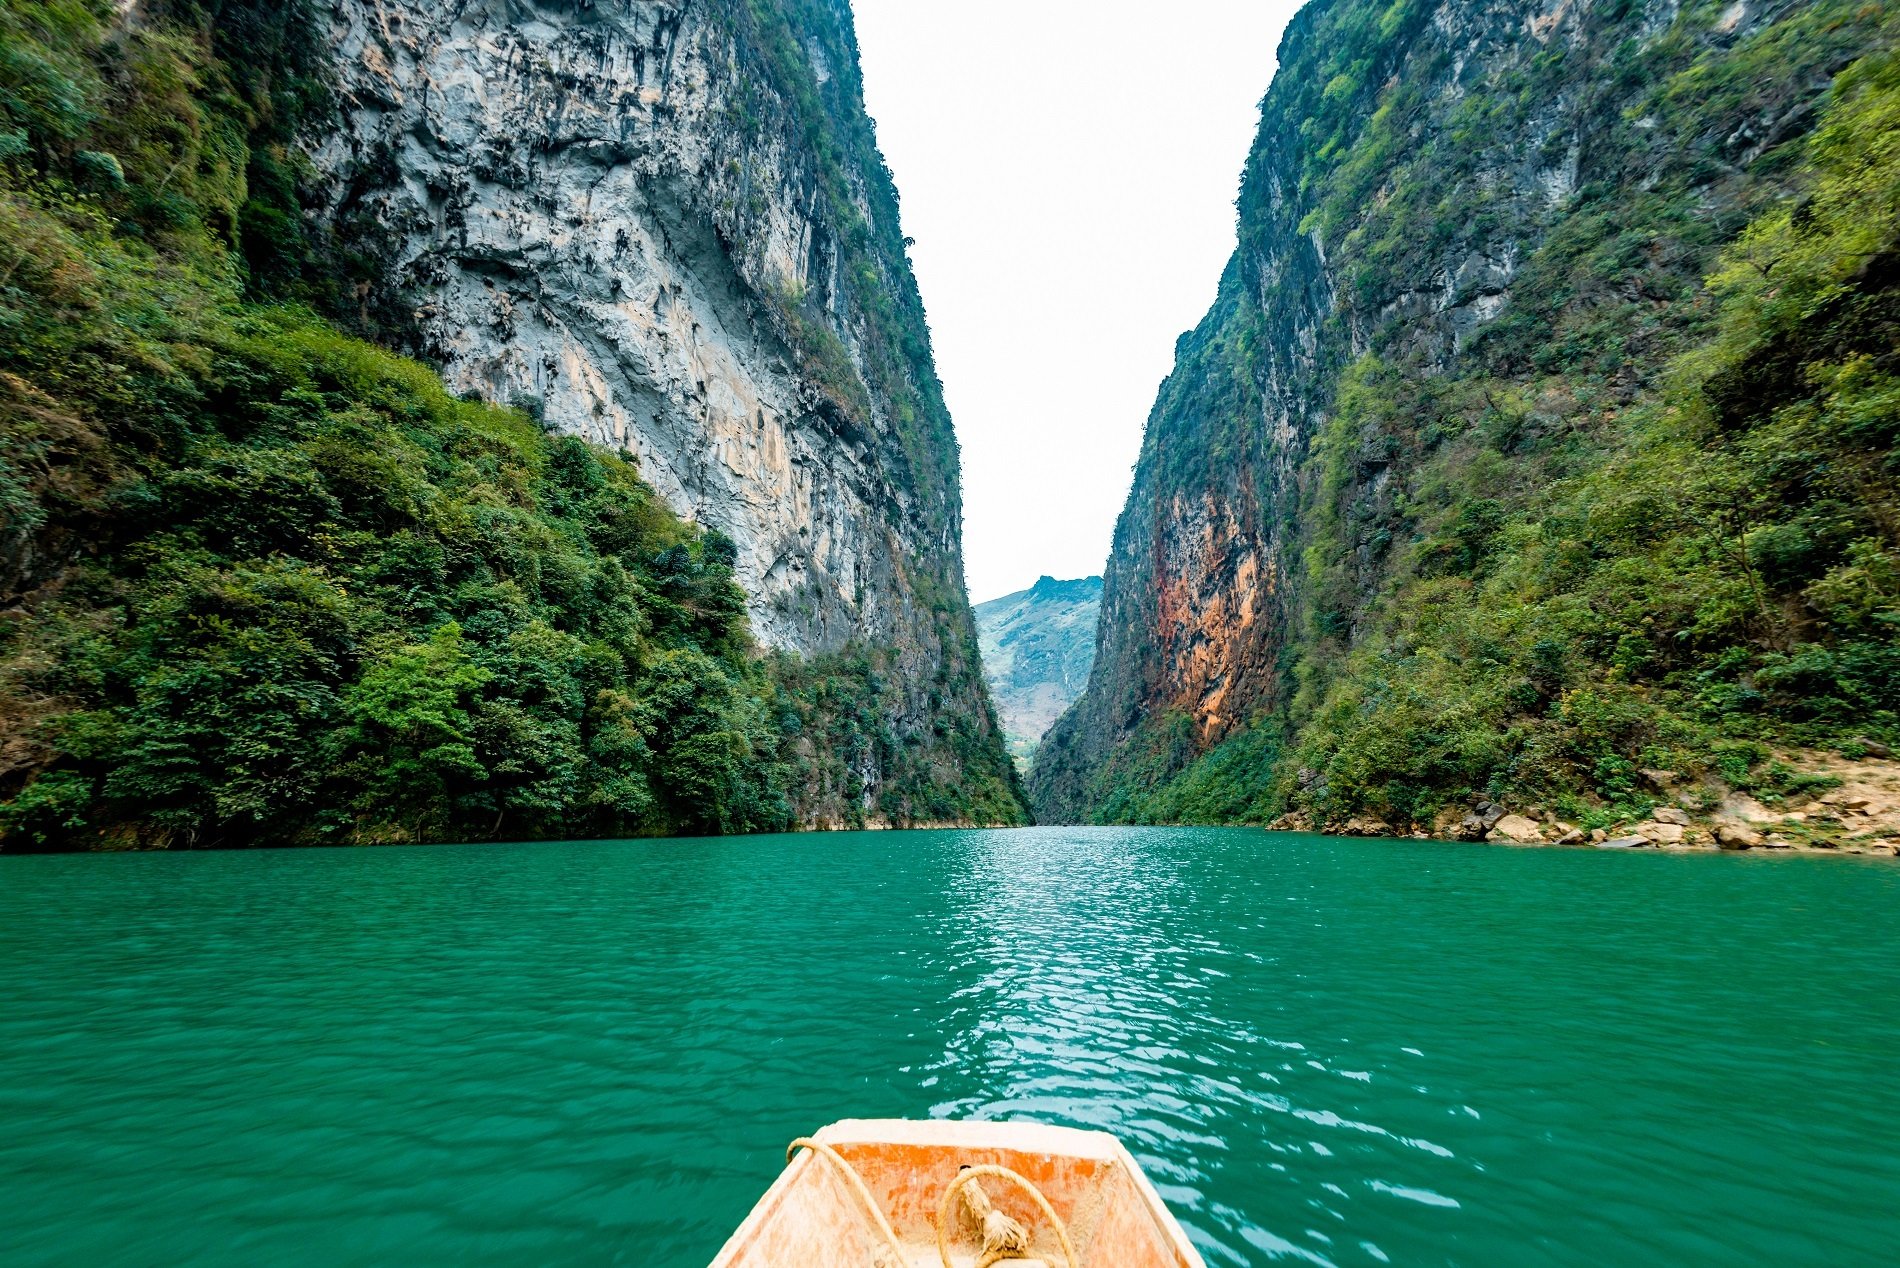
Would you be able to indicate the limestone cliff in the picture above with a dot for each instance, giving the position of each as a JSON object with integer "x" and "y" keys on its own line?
{"x": 665, "y": 227}
{"x": 1473, "y": 239}
{"x": 612, "y": 212}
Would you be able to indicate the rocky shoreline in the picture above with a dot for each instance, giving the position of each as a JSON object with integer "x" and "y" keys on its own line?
{"x": 1857, "y": 812}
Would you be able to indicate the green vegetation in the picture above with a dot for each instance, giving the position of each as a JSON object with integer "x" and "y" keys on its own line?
{"x": 1650, "y": 517}
{"x": 336, "y": 604}
{"x": 265, "y": 583}
{"x": 1722, "y": 577}
{"x": 837, "y": 713}
{"x": 1163, "y": 777}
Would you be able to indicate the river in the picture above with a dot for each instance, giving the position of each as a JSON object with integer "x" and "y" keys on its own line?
{"x": 1322, "y": 1050}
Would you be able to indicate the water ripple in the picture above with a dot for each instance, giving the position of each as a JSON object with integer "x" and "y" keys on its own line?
{"x": 1330, "y": 1052}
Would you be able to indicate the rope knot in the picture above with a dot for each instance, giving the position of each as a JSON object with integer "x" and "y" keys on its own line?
{"x": 1001, "y": 1234}
{"x": 1003, "y": 1238}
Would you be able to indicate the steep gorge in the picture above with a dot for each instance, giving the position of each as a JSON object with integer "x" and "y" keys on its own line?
{"x": 1499, "y": 468}
{"x": 655, "y": 258}
{"x": 666, "y": 228}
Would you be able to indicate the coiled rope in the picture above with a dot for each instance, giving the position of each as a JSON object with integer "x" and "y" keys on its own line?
{"x": 864, "y": 1194}
{"x": 1002, "y": 1236}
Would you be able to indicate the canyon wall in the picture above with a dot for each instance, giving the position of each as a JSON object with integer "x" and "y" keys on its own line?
{"x": 1473, "y": 244}
{"x": 612, "y": 212}
{"x": 665, "y": 227}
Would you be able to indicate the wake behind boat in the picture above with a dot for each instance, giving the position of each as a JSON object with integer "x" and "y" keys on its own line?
{"x": 894, "y": 1193}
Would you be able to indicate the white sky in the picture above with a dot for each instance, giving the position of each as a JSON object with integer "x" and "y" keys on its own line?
{"x": 1068, "y": 169}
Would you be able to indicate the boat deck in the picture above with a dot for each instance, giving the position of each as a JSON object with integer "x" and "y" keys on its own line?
{"x": 814, "y": 1216}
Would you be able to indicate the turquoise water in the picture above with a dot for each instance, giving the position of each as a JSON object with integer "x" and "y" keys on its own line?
{"x": 1321, "y": 1050}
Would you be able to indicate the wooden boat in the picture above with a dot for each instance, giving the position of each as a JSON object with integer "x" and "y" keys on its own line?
{"x": 891, "y": 1193}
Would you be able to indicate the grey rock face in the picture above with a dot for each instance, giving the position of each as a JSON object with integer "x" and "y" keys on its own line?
{"x": 587, "y": 208}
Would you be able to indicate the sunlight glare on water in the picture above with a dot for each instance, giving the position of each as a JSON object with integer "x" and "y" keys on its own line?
{"x": 1323, "y": 1051}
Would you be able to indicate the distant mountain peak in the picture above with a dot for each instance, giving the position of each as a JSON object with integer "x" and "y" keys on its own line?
{"x": 1038, "y": 645}
{"x": 1054, "y": 590}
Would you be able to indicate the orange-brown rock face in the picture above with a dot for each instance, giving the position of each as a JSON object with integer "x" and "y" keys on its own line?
{"x": 1255, "y": 532}
{"x": 1212, "y": 590}
{"x": 1473, "y": 240}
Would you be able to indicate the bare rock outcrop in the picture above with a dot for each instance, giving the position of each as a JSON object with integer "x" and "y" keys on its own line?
{"x": 610, "y": 214}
